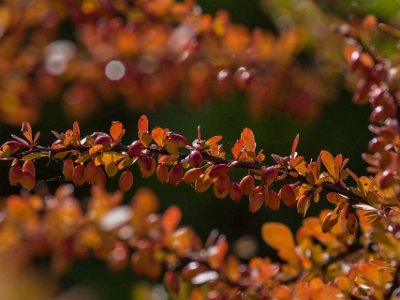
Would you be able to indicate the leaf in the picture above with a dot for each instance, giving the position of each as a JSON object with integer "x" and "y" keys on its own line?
{"x": 37, "y": 136}
{"x": 35, "y": 155}
{"x": 249, "y": 141}
{"x": 256, "y": 200}
{"x": 329, "y": 163}
{"x": 158, "y": 135}
{"x": 95, "y": 149}
{"x": 294, "y": 146}
{"x": 111, "y": 169}
{"x": 237, "y": 149}
{"x": 143, "y": 125}
{"x": 379, "y": 236}
{"x": 117, "y": 131}
{"x": 26, "y": 130}
{"x": 171, "y": 218}
{"x": 213, "y": 140}
{"x": 76, "y": 128}
{"x": 22, "y": 141}
{"x": 106, "y": 158}
{"x": 277, "y": 235}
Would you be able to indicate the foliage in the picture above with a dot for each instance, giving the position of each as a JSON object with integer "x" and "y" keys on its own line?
{"x": 348, "y": 252}
{"x": 67, "y": 50}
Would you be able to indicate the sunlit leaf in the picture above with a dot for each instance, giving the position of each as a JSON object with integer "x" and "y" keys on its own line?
{"x": 277, "y": 235}
{"x": 158, "y": 135}
{"x": 213, "y": 140}
{"x": 249, "y": 141}
{"x": 329, "y": 163}
{"x": 117, "y": 131}
{"x": 27, "y": 132}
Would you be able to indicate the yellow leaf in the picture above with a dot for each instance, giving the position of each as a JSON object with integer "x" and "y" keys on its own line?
{"x": 106, "y": 158}
{"x": 36, "y": 155}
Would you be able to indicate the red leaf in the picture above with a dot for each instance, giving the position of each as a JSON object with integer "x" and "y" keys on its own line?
{"x": 143, "y": 125}
{"x": 295, "y": 143}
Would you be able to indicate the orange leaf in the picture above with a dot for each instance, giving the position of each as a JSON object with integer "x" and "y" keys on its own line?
{"x": 158, "y": 135}
{"x": 117, "y": 131}
{"x": 329, "y": 163}
{"x": 171, "y": 218}
{"x": 277, "y": 235}
{"x": 26, "y": 130}
{"x": 143, "y": 125}
{"x": 96, "y": 148}
{"x": 237, "y": 149}
{"x": 248, "y": 139}
{"x": 213, "y": 140}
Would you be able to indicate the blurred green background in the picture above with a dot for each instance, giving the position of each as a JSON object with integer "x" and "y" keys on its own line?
{"x": 341, "y": 128}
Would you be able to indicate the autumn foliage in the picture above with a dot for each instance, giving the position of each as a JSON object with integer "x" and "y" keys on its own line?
{"x": 92, "y": 53}
{"x": 351, "y": 251}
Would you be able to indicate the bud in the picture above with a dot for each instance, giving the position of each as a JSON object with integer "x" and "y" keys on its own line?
{"x": 247, "y": 185}
{"x": 180, "y": 140}
{"x": 377, "y": 144}
{"x": 269, "y": 175}
{"x": 378, "y": 115}
{"x": 162, "y": 173}
{"x": 104, "y": 140}
{"x": 135, "y": 149}
{"x": 387, "y": 179}
{"x": 175, "y": 175}
{"x": 68, "y": 168}
{"x": 78, "y": 175}
{"x": 195, "y": 158}
{"x": 125, "y": 181}
{"x": 192, "y": 269}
